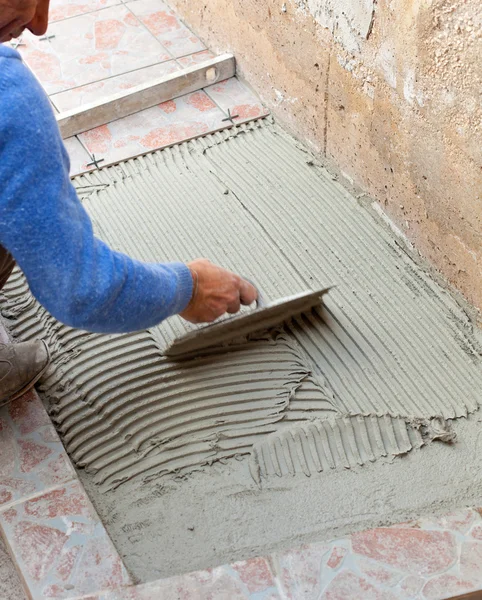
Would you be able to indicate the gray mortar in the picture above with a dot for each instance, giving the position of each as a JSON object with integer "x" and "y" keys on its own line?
{"x": 327, "y": 403}
{"x": 219, "y": 515}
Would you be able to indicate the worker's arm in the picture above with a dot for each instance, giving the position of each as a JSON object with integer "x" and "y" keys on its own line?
{"x": 74, "y": 275}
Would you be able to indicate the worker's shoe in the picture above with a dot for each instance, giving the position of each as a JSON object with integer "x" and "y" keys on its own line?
{"x": 21, "y": 366}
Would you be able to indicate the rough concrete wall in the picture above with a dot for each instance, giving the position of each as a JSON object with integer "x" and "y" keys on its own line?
{"x": 389, "y": 90}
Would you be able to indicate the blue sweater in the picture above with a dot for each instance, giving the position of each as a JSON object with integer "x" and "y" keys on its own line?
{"x": 74, "y": 275}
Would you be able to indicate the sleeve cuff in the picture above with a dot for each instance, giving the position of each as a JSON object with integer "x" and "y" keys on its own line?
{"x": 184, "y": 286}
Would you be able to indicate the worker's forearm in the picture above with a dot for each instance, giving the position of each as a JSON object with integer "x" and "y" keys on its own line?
{"x": 75, "y": 276}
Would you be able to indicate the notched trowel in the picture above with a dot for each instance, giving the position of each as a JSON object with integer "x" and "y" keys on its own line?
{"x": 264, "y": 316}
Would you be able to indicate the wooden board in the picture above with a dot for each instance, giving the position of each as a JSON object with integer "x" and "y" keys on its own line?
{"x": 143, "y": 96}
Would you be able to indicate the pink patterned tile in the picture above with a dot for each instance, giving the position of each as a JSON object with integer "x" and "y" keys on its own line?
{"x": 476, "y": 532}
{"x": 255, "y": 574}
{"x": 79, "y": 157}
{"x": 33, "y": 458}
{"x": 234, "y": 95}
{"x": 445, "y": 586}
{"x": 337, "y": 555}
{"x": 471, "y": 561}
{"x": 349, "y": 585}
{"x": 92, "y": 92}
{"x": 299, "y": 571}
{"x": 60, "y": 545}
{"x": 166, "y": 26}
{"x": 91, "y": 47}
{"x": 411, "y": 585}
{"x": 195, "y": 59}
{"x": 409, "y": 550}
{"x": 460, "y": 520}
{"x": 377, "y": 573}
{"x": 168, "y": 123}
{"x": 249, "y": 580}
{"x": 64, "y": 9}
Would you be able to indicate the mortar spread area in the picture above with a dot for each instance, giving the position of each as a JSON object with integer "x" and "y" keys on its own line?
{"x": 363, "y": 411}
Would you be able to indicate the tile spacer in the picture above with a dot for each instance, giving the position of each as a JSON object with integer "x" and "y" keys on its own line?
{"x": 230, "y": 117}
{"x": 95, "y": 161}
{"x": 18, "y": 42}
{"x": 46, "y": 38}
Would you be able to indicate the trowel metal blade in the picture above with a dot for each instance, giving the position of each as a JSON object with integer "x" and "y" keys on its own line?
{"x": 242, "y": 324}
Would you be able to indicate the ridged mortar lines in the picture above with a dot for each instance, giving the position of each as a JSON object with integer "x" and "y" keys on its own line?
{"x": 315, "y": 446}
{"x": 148, "y": 414}
{"x": 264, "y": 164}
{"x": 389, "y": 347}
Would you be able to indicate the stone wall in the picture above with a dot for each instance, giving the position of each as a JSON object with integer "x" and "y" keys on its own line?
{"x": 390, "y": 91}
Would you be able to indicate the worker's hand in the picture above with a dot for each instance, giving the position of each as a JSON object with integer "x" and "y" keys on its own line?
{"x": 215, "y": 292}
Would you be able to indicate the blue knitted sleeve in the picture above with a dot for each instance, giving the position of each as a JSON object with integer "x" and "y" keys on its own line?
{"x": 74, "y": 275}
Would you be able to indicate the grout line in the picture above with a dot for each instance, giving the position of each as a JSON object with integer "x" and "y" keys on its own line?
{"x": 162, "y": 62}
{"x": 273, "y": 567}
{"x": 150, "y": 32}
{"x": 190, "y": 54}
{"x": 159, "y": 41}
{"x": 215, "y": 102}
{"x": 181, "y": 20}
{"x": 182, "y": 141}
{"x": 90, "y": 12}
{"x": 13, "y": 503}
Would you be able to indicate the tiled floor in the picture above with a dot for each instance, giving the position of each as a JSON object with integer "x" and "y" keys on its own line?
{"x": 52, "y": 531}
{"x": 60, "y": 546}
{"x": 162, "y": 125}
{"x": 164, "y": 24}
{"x": 430, "y": 559}
{"x": 96, "y": 49}
{"x": 91, "y": 47}
{"x": 85, "y": 94}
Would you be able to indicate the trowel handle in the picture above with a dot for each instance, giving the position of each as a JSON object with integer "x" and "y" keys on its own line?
{"x": 260, "y": 302}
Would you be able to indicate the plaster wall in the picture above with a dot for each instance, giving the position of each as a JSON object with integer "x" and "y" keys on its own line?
{"x": 390, "y": 92}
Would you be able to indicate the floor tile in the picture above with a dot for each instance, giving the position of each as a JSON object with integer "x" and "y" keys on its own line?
{"x": 166, "y": 26}
{"x": 61, "y": 546}
{"x": 63, "y": 9}
{"x": 236, "y": 96}
{"x": 32, "y": 456}
{"x": 156, "y": 127}
{"x": 91, "y": 47}
{"x": 247, "y": 580}
{"x": 79, "y": 157}
{"x": 445, "y": 586}
{"x": 412, "y": 551}
{"x": 349, "y": 585}
{"x": 299, "y": 570}
{"x": 99, "y": 90}
{"x": 195, "y": 59}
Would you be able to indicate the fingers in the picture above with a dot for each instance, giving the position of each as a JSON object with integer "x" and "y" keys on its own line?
{"x": 234, "y": 306}
{"x": 217, "y": 291}
{"x": 247, "y": 292}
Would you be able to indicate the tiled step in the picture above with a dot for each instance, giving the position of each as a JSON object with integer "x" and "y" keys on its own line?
{"x": 93, "y": 51}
